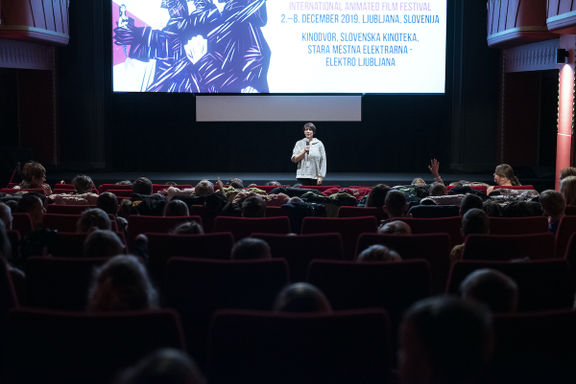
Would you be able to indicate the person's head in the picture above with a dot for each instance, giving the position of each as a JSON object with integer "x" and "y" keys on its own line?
{"x": 253, "y": 206}
{"x": 309, "y": 130}
{"x": 176, "y": 207}
{"x": 251, "y": 248}
{"x": 273, "y": 183}
{"x": 395, "y": 203}
{"x": 6, "y": 215}
{"x": 475, "y": 221}
{"x": 395, "y": 227}
{"x": 553, "y": 203}
{"x": 377, "y": 196}
{"x": 470, "y": 201}
{"x": 445, "y": 340}
{"x": 188, "y": 228}
{"x": 5, "y": 244}
{"x": 379, "y": 253}
{"x": 437, "y": 189}
{"x": 163, "y": 366}
{"x": 301, "y": 298}
{"x": 122, "y": 284}
{"x": 108, "y": 202}
{"x": 142, "y": 186}
{"x": 93, "y": 218}
{"x": 568, "y": 189}
{"x": 504, "y": 175}
{"x": 204, "y": 188}
{"x": 103, "y": 243}
{"x": 32, "y": 204}
{"x": 492, "y": 288}
{"x": 34, "y": 174}
{"x": 236, "y": 183}
{"x": 565, "y": 172}
{"x": 419, "y": 182}
{"x": 83, "y": 184}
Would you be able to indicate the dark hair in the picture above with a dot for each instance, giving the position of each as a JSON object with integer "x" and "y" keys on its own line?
{"x": 475, "y": 221}
{"x": 176, "y": 207}
{"x": 188, "y": 228}
{"x": 237, "y": 183}
{"x": 301, "y": 297}
{"x": 94, "y": 217}
{"x": 492, "y": 288}
{"x": 470, "y": 201}
{"x": 31, "y": 170}
{"x": 28, "y": 200}
{"x": 142, "y": 185}
{"x": 253, "y": 206}
{"x": 108, "y": 202}
{"x": 377, "y": 195}
{"x": 553, "y": 202}
{"x": 102, "y": 243}
{"x": 437, "y": 189}
{"x": 83, "y": 184}
{"x": 505, "y": 170}
{"x": 250, "y": 248}
{"x": 380, "y": 253}
{"x": 396, "y": 203}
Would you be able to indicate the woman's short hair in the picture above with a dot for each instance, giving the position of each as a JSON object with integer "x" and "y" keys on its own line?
{"x": 122, "y": 284}
{"x": 310, "y": 126}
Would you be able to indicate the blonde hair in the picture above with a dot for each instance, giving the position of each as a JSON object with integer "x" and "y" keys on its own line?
{"x": 568, "y": 189}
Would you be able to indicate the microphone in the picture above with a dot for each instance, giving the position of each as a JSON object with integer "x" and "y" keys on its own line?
{"x": 307, "y": 144}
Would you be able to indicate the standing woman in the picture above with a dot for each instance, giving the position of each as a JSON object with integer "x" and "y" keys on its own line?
{"x": 310, "y": 155}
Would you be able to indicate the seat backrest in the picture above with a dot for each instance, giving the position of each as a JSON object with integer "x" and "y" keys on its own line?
{"x": 433, "y": 247}
{"x": 534, "y": 348}
{"x": 518, "y": 225}
{"x": 449, "y": 225}
{"x": 542, "y": 284}
{"x": 566, "y": 228}
{"x": 320, "y": 188}
{"x": 108, "y": 187}
{"x": 515, "y": 187}
{"x": 300, "y": 250}
{"x": 508, "y": 247}
{"x": 70, "y": 347}
{"x": 274, "y": 211}
{"x": 68, "y": 222}
{"x": 68, "y": 209}
{"x": 198, "y": 287}
{"x": 163, "y": 246}
{"x": 348, "y": 227}
{"x": 138, "y": 224}
{"x": 59, "y": 283}
{"x": 345, "y": 211}
{"x": 431, "y": 211}
{"x": 241, "y": 227}
{"x": 22, "y": 222}
{"x": 352, "y": 285}
{"x": 265, "y": 347}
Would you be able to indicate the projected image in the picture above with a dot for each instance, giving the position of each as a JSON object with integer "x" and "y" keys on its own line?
{"x": 279, "y": 46}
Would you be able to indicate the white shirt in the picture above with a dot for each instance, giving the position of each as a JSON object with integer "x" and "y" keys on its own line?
{"x": 313, "y": 165}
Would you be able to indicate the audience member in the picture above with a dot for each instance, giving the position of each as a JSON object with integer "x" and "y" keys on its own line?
{"x": 83, "y": 195}
{"x": 470, "y": 201}
{"x": 568, "y": 189}
{"x": 251, "y": 248}
{"x": 176, "y": 207}
{"x": 565, "y": 172}
{"x": 142, "y": 186}
{"x": 475, "y": 221}
{"x": 6, "y": 215}
{"x": 188, "y": 228}
{"x": 504, "y": 176}
{"x": 108, "y": 202}
{"x": 302, "y": 298}
{"x": 379, "y": 253}
{"x": 553, "y": 205}
{"x": 103, "y": 243}
{"x": 253, "y": 206}
{"x": 164, "y": 366}
{"x": 377, "y": 196}
{"x": 204, "y": 188}
{"x": 32, "y": 204}
{"x": 491, "y": 288}
{"x": 437, "y": 189}
{"x": 34, "y": 176}
{"x": 122, "y": 284}
{"x": 83, "y": 184}
{"x": 396, "y": 227}
{"x": 396, "y": 204}
{"x": 236, "y": 183}
{"x": 93, "y": 218}
{"x": 445, "y": 340}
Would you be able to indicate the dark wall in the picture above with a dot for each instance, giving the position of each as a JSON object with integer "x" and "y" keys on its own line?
{"x": 159, "y": 132}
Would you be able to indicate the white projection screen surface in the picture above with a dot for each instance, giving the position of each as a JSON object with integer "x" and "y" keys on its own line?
{"x": 279, "y": 46}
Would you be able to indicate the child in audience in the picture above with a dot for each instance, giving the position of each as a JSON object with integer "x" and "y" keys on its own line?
{"x": 473, "y": 221}
{"x": 553, "y": 205}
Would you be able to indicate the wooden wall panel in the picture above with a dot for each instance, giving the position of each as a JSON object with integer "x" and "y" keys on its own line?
{"x": 561, "y": 17}
{"x": 35, "y": 20}
{"x": 516, "y": 22}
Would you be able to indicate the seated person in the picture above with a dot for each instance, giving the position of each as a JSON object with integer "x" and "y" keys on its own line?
{"x": 395, "y": 204}
{"x": 565, "y": 172}
{"x": 144, "y": 202}
{"x": 445, "y": 340}
{"x": 250, "y": 248}
{"x": 437, "y": 189}
{"x": 92, "y": 219}
{"x": 103, "y": 243}
{"x": 474, "y": 221}
{"x": 83, "y": 195}
{"x": 553, "y": 206}
{"x": 379, "y": 253}
{"x": 33, "y": 204}
{"x": 188, "y": 228}
{"x": 34, "y": 176}
{"x": 108, "y": 202}
{"x": 504, "y": 176}
{"x": 163, "y": 366}
{"x": 122, "y": 284}
{"x": 302, "y": 298}
{"x": 470, "y": 201}
{"x": 568, "y": 189}
{"x": 176, "y": 207}
{"x": 396, "y": 227}
{"x": 253, "y": 206}
{"x": 491, "y": 288}
{"x": 6, "y": 216}
{"x": 377, "y": 196}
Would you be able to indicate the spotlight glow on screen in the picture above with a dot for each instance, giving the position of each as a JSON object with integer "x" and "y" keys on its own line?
{"x": 279, "y": 46}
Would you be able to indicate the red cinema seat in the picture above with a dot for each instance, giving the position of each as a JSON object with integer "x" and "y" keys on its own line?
{"x": 67, "y": 209}
{"x": 138, "y": 224}
{"x": 242, "y": 227}
{"x": 518, "y": 225}
{"x": 449, "y": 225}
{"x": 509, "y": 247}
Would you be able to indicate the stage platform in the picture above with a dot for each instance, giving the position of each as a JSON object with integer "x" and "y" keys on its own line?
{"x": 343, "y": 179}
